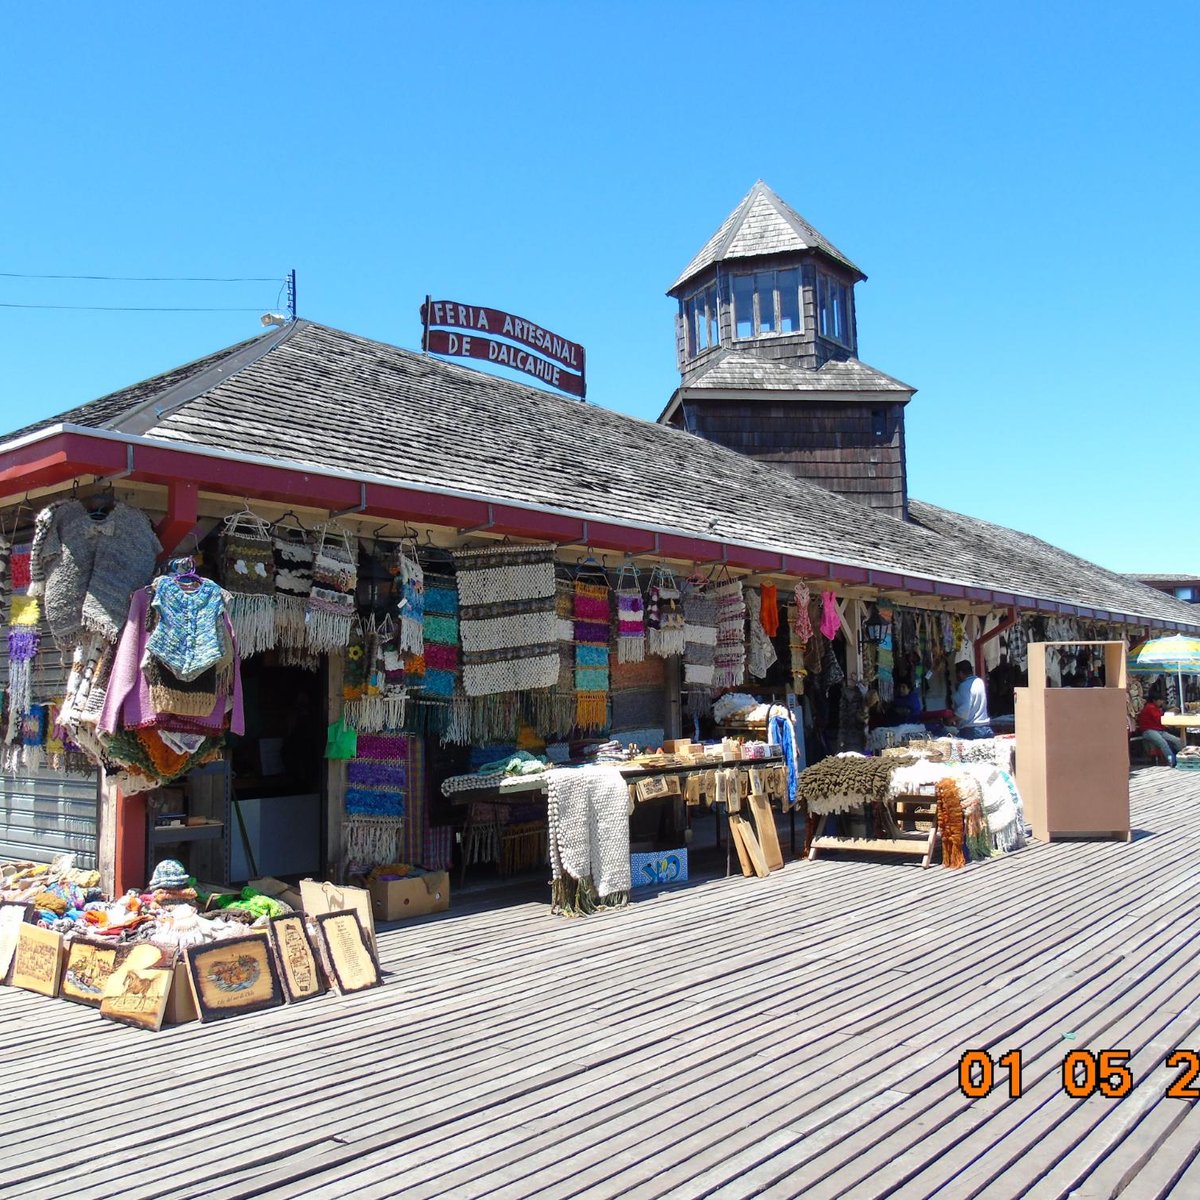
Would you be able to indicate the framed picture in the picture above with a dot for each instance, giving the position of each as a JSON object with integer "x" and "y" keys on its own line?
{"x": 37, "y": 964}
{"x": 89, "y": 964}
{"x": 235, "y": 976}
{"x": 298, "y": 966}
{"x": 348, "y": 951}
{"x": 136, "y": 992}
{"x": 12, "y": 917}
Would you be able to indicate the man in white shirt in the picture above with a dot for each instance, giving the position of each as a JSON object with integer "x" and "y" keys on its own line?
{"x": 970, "y": 703}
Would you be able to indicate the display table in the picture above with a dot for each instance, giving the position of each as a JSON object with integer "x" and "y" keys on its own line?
{"x": 1180, "y": 724}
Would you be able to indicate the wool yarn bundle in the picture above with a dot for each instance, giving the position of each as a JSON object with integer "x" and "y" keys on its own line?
{"x": 730, "y": 655}
{"x": 506, "y": 618}
{"x": 592, "y": 631}
{"x": 330, "y": 608}
{"x": 631, "y": 617}
{"x": 842, "y": 782}
{"x": 292, "y": 552}
{"x": 700, "y": 644}
{"x": 247, "y": 573}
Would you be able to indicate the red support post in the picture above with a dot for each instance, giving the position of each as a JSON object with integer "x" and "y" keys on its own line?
{"x": 182, "y": 514}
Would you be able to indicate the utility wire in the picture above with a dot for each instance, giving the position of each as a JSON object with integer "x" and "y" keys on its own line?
{"x": 123, "y": 308}
{"x": 151, "y": 278}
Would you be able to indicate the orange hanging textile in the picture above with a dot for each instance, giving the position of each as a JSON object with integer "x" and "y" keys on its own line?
{"x": 769, "y": 613}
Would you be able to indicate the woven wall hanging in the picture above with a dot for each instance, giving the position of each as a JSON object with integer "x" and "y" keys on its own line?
{"x": 247, "y": 571}
{"x": 760, "y": 652}
{"x": 293, "y": 553}
{"x": 700, "y": 644}
{"x": 664, "y": 614}
{"x": 730, "y": 658}
{"x": 330, "y": 609}
{"x": 410, "y": 603}
{"x": 631, "y": 617}
{"x": 506, "y": 618}
{"x": 592, "y": 632}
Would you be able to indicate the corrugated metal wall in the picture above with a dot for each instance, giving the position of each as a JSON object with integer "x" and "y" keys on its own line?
{"x": 47, "y": 813}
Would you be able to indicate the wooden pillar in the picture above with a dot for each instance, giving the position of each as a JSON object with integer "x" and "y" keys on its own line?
{"x": 182, "y": 514}
{"x": 673, "y": 715}
{"x": 335, "y": 773}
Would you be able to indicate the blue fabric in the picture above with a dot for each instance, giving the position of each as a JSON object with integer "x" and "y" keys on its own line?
{"x": 187, "y": 639}
{"x": 779, "y": 733}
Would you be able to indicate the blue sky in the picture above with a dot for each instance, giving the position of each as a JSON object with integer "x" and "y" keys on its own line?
{"x": 1018, "y": 181}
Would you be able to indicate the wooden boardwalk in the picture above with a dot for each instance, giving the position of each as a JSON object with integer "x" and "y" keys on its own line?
{"x": 795, "y": 1036}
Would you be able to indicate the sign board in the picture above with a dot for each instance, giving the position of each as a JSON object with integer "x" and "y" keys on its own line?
{"x": 555, "y": 362}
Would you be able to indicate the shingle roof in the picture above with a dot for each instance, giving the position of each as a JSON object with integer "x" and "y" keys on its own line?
{"x": 1178, "y": 577}
{"x": 733, "y": 370}
{"x": 317, "y": 396}
{"x": 762, "y": 223}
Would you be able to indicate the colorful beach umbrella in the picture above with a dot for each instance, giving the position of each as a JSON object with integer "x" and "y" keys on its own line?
{"x": 1178, "y": 653}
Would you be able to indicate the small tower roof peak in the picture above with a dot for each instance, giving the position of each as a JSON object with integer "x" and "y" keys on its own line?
{"x": 762, "y": 223}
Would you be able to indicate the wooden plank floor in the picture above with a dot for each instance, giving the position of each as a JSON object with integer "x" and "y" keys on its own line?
{"x": 794, "y": 1036}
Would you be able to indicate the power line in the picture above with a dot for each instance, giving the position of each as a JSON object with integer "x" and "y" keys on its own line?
{"x": 151, "y": 278}
{"x": 123, "y": 308}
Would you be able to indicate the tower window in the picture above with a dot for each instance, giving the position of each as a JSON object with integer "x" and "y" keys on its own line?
{"x": 833, "y": 309}
{"x": 767, "y": 302}
{"x": 701, "y": 316}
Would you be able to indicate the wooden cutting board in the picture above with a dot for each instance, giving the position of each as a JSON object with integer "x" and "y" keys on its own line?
{"x": 735, "y": 836}
{"x": 768, "y": 837}
{"x": 753, "y": 849}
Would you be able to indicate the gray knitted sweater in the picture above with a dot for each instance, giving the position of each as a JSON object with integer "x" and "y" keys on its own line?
{"x": 86, "y": 567}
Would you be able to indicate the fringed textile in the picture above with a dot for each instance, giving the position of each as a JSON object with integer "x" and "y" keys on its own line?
{"x": 293, "y": 555}
{"x": 950, "y": 823}
{"x": 330, "y": 609}
{"x": 506, "y": 618}
{"x": 247, "y": 573}
{"x": 730, "y": 659}
{"x": 631, "y": 617}
{"x": 588, "y": 815}
{"x": 592, "y": 631}
{"x": 760, "y": 650}
{"x": 411, "y": 604}
{"x": 664, "y": 615}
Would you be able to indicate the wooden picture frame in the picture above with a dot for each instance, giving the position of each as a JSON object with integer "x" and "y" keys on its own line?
{"x": 13, "y": 915}
{"x": 137, "y": 990}
{"x": 347, "y": 950}
{"x": 299, "y": 967}
{"x": 87, "y": 969}
{"x": 37, "y": 964}
{"x": 234, "y": 976}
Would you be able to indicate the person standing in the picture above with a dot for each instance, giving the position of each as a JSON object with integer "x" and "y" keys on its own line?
{"x": 970, "y": 703}
{"x": 1152, "y": 729}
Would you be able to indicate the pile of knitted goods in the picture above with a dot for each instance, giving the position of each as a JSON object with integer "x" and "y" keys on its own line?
{"x": 846, "y": 781}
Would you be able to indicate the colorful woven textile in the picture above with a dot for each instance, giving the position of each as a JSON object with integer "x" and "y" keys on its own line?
{"x": 410, "y": 578}
{"x": 377, "y": 785}
{"x": 247, "y": 571}
{"x": 631, "y": 618}
{"x": 730, "y": 657}
{"x": 330, "y": 609}
{"x": 591, "y": 654}
{"x": 588, "y": 813}
{"x": 439, "y": 848}
{"x": 801, "y": 624}
{"x": 506, "y": 619}
{"x": 664, "y": 615}
{"x": 760, "y": 651}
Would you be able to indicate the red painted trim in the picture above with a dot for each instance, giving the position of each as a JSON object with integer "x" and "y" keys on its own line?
{"x": 806, "y": 568}
{"x": 753, "y": 560}
{"x": 182, "y": 514}
{"x": 671, "y": 545}
{"x": 950, "y": 589}
{"x": 1004, "y": 598}
{"x": 844, "y": 573}
{"x": 885, "y": 579}
{"x": 925, "y": 587}
{"x": 130, "y": 866}
{"x": 974, "y": 593}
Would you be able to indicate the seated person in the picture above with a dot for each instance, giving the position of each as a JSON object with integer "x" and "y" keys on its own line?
{"x": 1150, "y": 726}
{"x": 970, "y": 703}
{"x": 906, "y": 704}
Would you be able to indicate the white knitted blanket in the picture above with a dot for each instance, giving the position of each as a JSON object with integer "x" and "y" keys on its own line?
{"x": 589, "y": 826}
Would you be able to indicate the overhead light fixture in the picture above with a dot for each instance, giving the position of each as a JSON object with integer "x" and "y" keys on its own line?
{"x": 270, "y": 318}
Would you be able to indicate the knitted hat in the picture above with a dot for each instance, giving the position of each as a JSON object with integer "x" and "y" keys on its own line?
{"x": 170, "y": 873}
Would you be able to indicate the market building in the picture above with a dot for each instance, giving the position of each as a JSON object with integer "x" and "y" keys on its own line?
{"x": 330, "y": 482}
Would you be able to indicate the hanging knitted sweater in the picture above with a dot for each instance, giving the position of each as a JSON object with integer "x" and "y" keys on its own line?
{"x": 86, "y": 567}
{"x": 189, "y": 636}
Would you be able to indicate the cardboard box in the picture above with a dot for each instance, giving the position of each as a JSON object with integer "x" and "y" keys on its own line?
{"x": 286, "y": 893}
{"x": 414, "y": 896}
{"x": 678, "y": 746}
{"x": 322, "y": 897}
